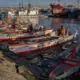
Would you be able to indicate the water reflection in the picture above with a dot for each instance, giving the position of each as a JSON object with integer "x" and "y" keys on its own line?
{"x": 45, "y": 22}
{"x": 56, "y": 22}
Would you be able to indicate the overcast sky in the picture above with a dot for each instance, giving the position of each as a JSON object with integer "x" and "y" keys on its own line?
{"x": 34, "y": 2}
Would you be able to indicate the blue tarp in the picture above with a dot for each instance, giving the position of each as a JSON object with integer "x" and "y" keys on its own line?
{"x": 2, "y": 16}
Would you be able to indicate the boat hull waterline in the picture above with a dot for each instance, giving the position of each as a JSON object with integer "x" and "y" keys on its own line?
{"x": 23, "y": 51}
{"x": 15, "y": 36}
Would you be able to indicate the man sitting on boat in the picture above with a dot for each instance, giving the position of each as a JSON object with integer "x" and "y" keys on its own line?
{"x": 62, "y": 31}
{"x": 30, "y": 28}
{"x": 13, "y": 25}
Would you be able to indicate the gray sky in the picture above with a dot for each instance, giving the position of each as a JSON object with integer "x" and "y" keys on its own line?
{"x": 34, "y": 2}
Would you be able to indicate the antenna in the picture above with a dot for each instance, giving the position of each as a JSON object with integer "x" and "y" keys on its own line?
{"x": 19, "y": 5}
{"x": 36, "y": 3}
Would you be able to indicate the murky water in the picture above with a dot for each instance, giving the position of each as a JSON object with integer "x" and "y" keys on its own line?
{"x": 71, "y": 24}
{"x": 55, "y": 23}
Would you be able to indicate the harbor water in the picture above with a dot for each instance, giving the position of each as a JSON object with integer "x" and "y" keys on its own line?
{"x": 55, "y": 23}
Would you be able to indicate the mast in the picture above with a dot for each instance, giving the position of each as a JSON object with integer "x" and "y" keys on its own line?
{"x": 19, "y": 5}
{"x": 29, "y": 6}
{"x": 36, "y": 3}
{"x": 22, "y": 4}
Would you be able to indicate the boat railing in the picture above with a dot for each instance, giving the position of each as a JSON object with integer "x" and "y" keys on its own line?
{"x": 72, "y": 60}
{"x": 67, "y": 51}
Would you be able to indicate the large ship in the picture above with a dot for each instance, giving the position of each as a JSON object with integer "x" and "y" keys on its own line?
{"x": 31, "y": 12}
{"x": 58, "y": 10}
{"x": 22, "y": 11}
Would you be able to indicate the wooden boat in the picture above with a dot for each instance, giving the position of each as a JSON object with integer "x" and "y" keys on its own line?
{"x": 64, "y": 70}
{"x": 69, "y": 66}
{"x": 61, "y": 51}
{"x": 14, "y": 36}
{"x": 42, "y": 67}
{"x": 27, "y": 49}
{"x": 32, "y": 40}
{"x": 53, "y": 68}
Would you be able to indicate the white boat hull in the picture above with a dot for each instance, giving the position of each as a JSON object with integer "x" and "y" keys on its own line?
{"x": 26, "y": 50}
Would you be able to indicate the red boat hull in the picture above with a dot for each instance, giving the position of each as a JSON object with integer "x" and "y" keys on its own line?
{"x": 41, "y": 50}
{"x": 34, "y": 51}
